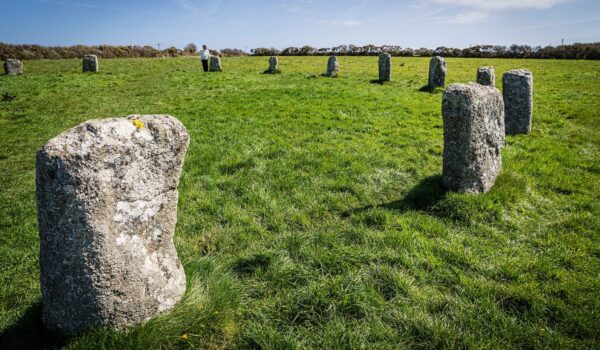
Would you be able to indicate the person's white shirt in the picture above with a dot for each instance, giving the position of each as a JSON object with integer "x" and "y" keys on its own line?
{"x": 204, "y": 54}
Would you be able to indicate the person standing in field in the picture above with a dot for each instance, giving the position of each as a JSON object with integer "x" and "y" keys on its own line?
{"x": 204, "y": 56}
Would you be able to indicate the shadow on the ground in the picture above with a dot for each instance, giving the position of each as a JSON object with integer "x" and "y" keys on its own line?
{"x": 431, "y": 90}
{"x": 377, "y": 81}
{"x": 29, "y": 332}
{"x": 423, "y": 197}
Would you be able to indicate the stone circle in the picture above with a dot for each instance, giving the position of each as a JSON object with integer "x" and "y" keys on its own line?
{"x": 486, "y": 76}
{"x": 107, "y": 208}
{"x": 13, "y": 67}
{"x": 517, "y": 89}
{"x": 90, "y": 63}
{"x": 437, "y": 72}
{"x": 385, "y": 67}
{"x": 473, "y": 137}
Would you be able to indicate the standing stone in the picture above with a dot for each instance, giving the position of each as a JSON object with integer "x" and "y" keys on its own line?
{"x": 385, "y": 67}
{"x": 13, "y": 67}
{"x": 272, "y": 65}
{"x": 90, "y": 63}
{"x": 518, "y": 101}
{"x": 333, "y": 67}
{"x": 107, "y": 207}
{"x": 437, "y": 72}
{"x": 473, "y": 137}
{"x": 486, "y": 76}
{"x": 215, "y": 64}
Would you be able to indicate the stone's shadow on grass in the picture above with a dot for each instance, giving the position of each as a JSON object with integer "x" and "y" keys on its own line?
{"x": 29, "y": 332}
{"x": 431, "y": 90}
{"x": 422, "y": 197}
{"x": 377, "y": 81}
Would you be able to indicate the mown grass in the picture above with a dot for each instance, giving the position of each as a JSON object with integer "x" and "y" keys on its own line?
{"x": 311, "y": 214}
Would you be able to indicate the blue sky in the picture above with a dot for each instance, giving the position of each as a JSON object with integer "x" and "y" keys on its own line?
{"x": 282, "y": 23}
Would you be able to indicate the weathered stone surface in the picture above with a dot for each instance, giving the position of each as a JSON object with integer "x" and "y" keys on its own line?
{"x": 273, "y": 64}
{"x": 13, "y": 67}
{"x": 215, "y": 64}
{"x": 518, "y": 101}
{"x": 437, "y": 72}
{"x": 333, "y": 67}
{"x": 90, "y": 63}
{"x": 473, "y": 137}
{"x": 107, "y": 207}
{"x": 486, "y": 76}
{"x": 385, "y": 67}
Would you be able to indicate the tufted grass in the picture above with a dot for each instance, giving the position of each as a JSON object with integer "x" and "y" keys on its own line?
{"x": 311, "y": 214}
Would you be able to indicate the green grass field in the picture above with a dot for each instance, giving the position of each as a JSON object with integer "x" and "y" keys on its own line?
{"x": 311, "y": 214}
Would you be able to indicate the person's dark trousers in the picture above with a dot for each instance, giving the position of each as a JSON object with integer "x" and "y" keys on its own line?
{"x": 205, "y": 65}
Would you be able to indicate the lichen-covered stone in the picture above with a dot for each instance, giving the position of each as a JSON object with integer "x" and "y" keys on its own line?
{"x": 90, "y": 63}
{"x": 107, "y": 207}
{"x": 518, "y": 101}
{"x": 473, "y": 137}
{"x": 333, "y": 67}
{"x": 13, "y": 67}
{"x": 437, "y": 72}
{"x": 385, "y": 67}
{"x": 273, "y": 63}
{"x": 215, "y": 64}
{"x": 486, "y": 76}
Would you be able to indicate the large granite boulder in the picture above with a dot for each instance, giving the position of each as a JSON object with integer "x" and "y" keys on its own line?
{"x": 107, "y": 207}
{"x": 486, "y": 76}
{"x": 385, "y": 67}
{"x": 13, "y": 67}
{"x": 333, "y": 67}
{"x": 215, "y": 64}
{"x": 437, "y": 72}
{"x": 517, "y": 89}
{"x": 473, "y": 137}
{"x": 90, "y": 63}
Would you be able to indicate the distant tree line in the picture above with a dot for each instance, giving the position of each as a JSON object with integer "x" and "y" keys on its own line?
{"x": 589, "y": 51}
{"x": 575, "y": 51}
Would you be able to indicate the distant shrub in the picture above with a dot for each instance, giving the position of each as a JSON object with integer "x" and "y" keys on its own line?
{"x": 590, "y": 51}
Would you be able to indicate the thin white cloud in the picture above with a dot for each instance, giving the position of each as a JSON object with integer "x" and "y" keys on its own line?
{"x": 80, "y": 4}
{"x": 343, "y": 23}
{"x": 502, "y": 4}
{"x": 297, "y": 6}
{"x": 469, "y": 17}
{"x": 476, "y": 11}
{"x": 199, "y": 8}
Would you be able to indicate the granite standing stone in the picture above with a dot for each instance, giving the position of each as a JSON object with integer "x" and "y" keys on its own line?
{"x": 13, "y": 67}
{"x": 437, "y": 72}
{"x": 518, "y": 101}
{"x": 107, "y": 207}
{"x": 473, "y": 137}
{"x": 486, "y": 76}
{"x": 385, "y": 67}
{"x": 333, "y": 67}
{"x": 215, "y": 64}
{"x": 273, "y": 63}
{"x": 90, "y": 63}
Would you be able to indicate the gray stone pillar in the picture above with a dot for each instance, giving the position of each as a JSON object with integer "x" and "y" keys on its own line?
{"x": 486, "y": 76}
{"x": 90, "y": 63}
{"x": 333, "y": 67}
{"x": 107, "y": 207}
{"x": 13, "y": 67}
{"x": 215, "y": 64}
{"x": 385, "y": 67}
{"x": 273, "y": 63}
{"x": 518, "y": 101}
{"x": 473, "y": 137}
{"x": 437, "y": 72}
